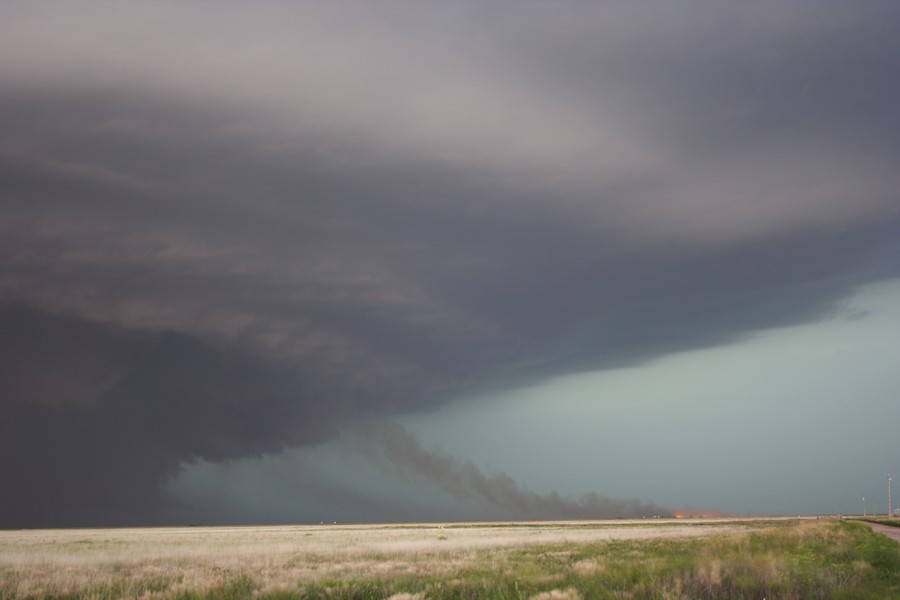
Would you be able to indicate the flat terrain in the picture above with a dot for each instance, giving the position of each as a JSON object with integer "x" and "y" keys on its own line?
{"x": 317, "y": 551}
{"x": 377, "y": 561}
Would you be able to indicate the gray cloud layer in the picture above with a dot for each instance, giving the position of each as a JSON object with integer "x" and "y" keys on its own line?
{"x": 226, "y": 229}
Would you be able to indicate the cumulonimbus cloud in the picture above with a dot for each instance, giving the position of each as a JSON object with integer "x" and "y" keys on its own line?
{"x": 226, "y": 233}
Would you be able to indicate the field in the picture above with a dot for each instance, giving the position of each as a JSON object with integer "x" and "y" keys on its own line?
{"x": 704, "y": 558}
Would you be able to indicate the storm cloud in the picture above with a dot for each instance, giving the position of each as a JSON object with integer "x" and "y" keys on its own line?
{"x": 400, "y": 449}
{"x": 226, "y": 230}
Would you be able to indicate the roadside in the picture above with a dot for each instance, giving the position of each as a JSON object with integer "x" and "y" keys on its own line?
{"x": 891, "y": 532}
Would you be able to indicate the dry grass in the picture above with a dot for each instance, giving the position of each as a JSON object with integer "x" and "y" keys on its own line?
{"x": 204, "y": 558}
{"x": 399, "y": 561}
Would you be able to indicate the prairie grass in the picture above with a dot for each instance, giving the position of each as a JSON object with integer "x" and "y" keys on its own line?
{"x": 895, "y": 522}
{"x": 784, "y": 559}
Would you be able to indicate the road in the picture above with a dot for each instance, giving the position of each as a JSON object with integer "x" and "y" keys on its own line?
{"x": 891, "y": 532}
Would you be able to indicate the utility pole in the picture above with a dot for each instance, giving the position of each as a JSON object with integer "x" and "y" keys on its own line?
{"x": 864, "y": 506}
{"x": 890, "y": 514}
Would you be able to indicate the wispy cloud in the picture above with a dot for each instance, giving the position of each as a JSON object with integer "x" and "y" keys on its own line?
{"x": 393, "y": 446}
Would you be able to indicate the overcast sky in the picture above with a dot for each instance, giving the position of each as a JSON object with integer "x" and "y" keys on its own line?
{"x": 360, "y": 261}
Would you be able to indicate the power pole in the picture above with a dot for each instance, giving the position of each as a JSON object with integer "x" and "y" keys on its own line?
{"x": 864, "y": 506}
{"x": 890, "y": 514}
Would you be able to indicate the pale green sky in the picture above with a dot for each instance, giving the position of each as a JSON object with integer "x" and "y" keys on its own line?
{"x": 799, "y": 419}
{"x": 794, "y": 420}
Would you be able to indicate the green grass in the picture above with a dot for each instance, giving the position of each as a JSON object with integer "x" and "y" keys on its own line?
{"x": 895, "y": 522}
{"x": 788, "y": 560}
{"x": 833, "y": 560}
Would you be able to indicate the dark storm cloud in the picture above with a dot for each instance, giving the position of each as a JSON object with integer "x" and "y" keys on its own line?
{"x": 225, "y": 233}
{"x": 95, "y": 417}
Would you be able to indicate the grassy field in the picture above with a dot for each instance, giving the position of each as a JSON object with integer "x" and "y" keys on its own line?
{"x": 895, "y": 522}
{"x": 772, "y": 559}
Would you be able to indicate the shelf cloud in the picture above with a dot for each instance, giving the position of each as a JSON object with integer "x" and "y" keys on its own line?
{"x": 229, "y": 229}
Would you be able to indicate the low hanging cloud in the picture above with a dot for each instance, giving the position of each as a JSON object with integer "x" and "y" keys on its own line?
{"x": 242, "y": 230}
{"x": 97, "y": 418}
{"x": 391, "y": 445}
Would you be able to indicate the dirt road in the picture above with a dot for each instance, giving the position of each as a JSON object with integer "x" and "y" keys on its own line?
{"x": 891, "y": 532}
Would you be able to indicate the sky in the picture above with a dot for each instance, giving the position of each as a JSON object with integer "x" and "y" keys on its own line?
{"x": 399, "y": 261}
